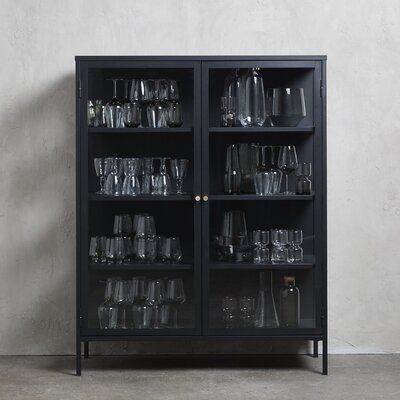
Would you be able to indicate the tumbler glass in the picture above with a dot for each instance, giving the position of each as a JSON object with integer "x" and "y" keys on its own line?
{"x": 229, "y": 311}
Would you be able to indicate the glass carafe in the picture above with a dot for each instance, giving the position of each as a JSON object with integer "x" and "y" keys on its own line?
{"x": 232, "y": 86}
{"x": 266, "y": 315}
{"x": 289, "y": 303}
{"x": 252, "y": 110}
{"x": 232, "y": 177}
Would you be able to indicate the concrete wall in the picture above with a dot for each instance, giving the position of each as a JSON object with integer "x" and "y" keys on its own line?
{"x": 38, "y": 42}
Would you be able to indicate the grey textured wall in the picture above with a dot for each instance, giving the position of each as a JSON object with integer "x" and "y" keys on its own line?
{"x": 38, "y": 42}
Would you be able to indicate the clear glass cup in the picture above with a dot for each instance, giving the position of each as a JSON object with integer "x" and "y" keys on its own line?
{"x": 260, "y": 240}
{"x": 246, "y": 308}
{"x": 114, "y": 109}
{"x": 252, "y": 109}
{"x": 178, "y": 172}
{"x": 146, "y": 249}
{"x": 131, "y": 105}
{"x": 162, "y": 181}
{"x": 108, "y": 316}
{"x": 295, "y": 239}
{"x": 99, "y": 114}
{"x": 147, "y": 178}
{"x": 157, "y": 109}
{"x": 122, "y": 225}
{"x": 248, "y": 162}
{"x": 131, "y": 184}
{"x": 97, "y": 249}
{"x": 100, "y": 168}
{"x": 155, "y": 298}
{"x": 285, "y": 106}
{"x": 90, "y": 113}
{"x": 229, "y": 311}
{"x": 289, "y": 303}
{"x": 114, "y": 180}
{"x": 145, "y": 226}
{"x": 279, "y": 252}
{"x": 142, "y": 315}
{"x": 174, "y": 114}
{"x": 122, "y": 298}
{"x": 171, "y": 249}
{"x": 175, "y": 296}
{"x": 303, "y": 182}
{"x": 228, "y": 111}
{"x": 119, "y": 250}
{"x": 287, "y": 163}
{"x": 93, "y": 250}
{"x": 267, "y": 180}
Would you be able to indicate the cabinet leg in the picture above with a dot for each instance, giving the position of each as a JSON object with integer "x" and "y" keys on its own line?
{"x": 86, "y": 349}
{"x": 78, "y": 360}
{"x": 315, "y": 353}
{"x": 325, "y": 357}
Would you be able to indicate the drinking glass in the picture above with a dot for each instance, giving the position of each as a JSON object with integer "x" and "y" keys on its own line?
{"x": 178, "y": 171}
{"x": 229, "y": 310}
{"x": 228, "y": 111}
{"x": 142, "y": 314}
{"x": 232, "y": 177}
{"x": 287, "y": 163}
{"x": 107, "y": 311}
{"x": 99, "y": 114}
{"x": 93, "y": 250}
{"x": 162, "y": 181}
{"x": 246, "y": 308}
{"x": 260, "y": 242}
{"x": 129, "y": 253}
{"x": 252, "y": 111}
{"x": 285, "y": 106}
{"x": 90, "y": 113}
{"x": 267, "y": 180}
{"x": 175, "y": 295}
{"x": 248, "y": 162}
{"x": 171, "y": 249}
{"x": 131, "y": 185}
{"x": 131, "y": 105}
{"x": 279, "y": 239}
{"x": 119, "y": 250}
{"x": 110, "y": 251}
{"x": 232, "y": 85}
{"x": 157, "y": 108}
{"x": 146, "y": 249}
{"x": 303, "y": 182}
{"x": 295, "y": 239}
{"x": 139, "y": 289}
{"x": 145, "y": 226}
{"x": 155, "y": 298}
{"x": 122, "y": 225}
{"x": 114, "y": 109}
{"x": 147, "y": 178}
{"x": 174, "y": 114}
{"x": 97, "y": 249}
{"x": 122, "y": 298}
{"x": 114, "y": 180}
{"x": 159, "y": 245}
{"x": 100, "y": 167}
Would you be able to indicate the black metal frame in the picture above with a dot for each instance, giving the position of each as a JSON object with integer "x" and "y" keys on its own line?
{"x": 201, "y": 187}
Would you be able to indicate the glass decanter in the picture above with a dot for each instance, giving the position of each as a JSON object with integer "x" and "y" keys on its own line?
{"x": 289, "y": 303}
{"x": 114, "y": 109}
{"x": 252, "y": 109}
{"x": 266, "y": 315}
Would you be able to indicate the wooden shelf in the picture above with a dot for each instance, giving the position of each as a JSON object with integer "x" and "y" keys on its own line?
{"x": 239, "y": 197}
{"x": 140, "y": 130}
{"x": 262, "y": 129}
{"x": 141, "y": 197}
{"x": 139, "y": 266}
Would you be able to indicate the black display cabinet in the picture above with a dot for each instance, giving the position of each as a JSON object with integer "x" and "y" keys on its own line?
{"x": 196, "y": 216}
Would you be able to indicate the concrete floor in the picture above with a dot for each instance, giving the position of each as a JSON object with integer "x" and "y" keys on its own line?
{"x": 121, "y": 378}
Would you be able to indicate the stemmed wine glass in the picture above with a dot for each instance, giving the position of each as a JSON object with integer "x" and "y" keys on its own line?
{"x": 114, "y": 109}
{"x": 132, "y": 111}
{"x": 100, "y": 167}
{"x": 175, "y": 295}
{"x": 178, "y": 171}
{"x": 174, "y": 108}
{"x": 287, "y": 163}
{"x": 155, "y": 298}
{"x": 157, "y": 109}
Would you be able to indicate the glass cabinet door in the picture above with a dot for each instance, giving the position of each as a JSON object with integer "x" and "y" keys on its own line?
{"x": 261, "y": 273}
{"x": 140, "y": 267}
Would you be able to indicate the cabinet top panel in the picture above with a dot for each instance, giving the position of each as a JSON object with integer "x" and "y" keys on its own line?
{"x": 204, "y": 58}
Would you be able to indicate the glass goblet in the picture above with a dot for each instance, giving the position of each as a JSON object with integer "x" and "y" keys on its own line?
{"x": 287, "y": 163}
{"x": 178, "y": 172}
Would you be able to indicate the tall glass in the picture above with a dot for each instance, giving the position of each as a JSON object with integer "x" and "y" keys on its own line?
{"x": 131, "y": 105}
{"x": 232, "y": 85}
{"x": 252, "y": 111}
{"x": 162, "y": 181}
{"x": 131, "y": 185}
{"x": 155, "y": 298}
{"x": 157, "y": 109}
{"x": 148, "y": 178}
{"x": 267, "y": 180}
{"x": 114, "y": 109}
{"x": 232, "y": 177}
{"x": 287, "y": 163}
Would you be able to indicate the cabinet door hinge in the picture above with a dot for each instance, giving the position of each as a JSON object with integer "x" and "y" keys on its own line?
{"x": 321, "y": 88}
{"x": 79, "y": 88}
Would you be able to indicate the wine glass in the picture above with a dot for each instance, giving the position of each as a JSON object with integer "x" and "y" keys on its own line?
{"x": 131, "y": 105}
{"x": 107, "y": 311}
{"x": 175, "y": 295}
{"x": 122, "y": 225}
{"x": 114, "y": 180}
{"x": 131, "y": 185}
{"x": 147, "y": 178}
{"x": 171, "y": 249}
{"x": 100, "y": 167}
{"x": 157, "y": 109}
{"x": 287, "y": 163}
{"x": 268, "y": 177}
{"x": 155, "y": 298}
{"x": 122, "y": 298}
{"x": 114, "y": 109}
{"x": 178, "y": 171}
{"x": 162, "y": 181}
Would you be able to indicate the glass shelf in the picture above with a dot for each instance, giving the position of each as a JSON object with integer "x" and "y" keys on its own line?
{"x": 308, "y": 263}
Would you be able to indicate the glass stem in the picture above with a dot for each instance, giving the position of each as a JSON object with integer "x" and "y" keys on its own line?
{"x": 114, "y": 88}
{"x": 179, "y": 184}
{"x": 286, "y": 183}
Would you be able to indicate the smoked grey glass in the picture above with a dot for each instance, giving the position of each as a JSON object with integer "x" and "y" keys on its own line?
{"x": 114, "y": 109}
{"x": 285, "y": 106}
{"x": 289, "y": 303}
{"x": 232, "y": 177}
{"x": 252, "y": 111}
{"x": 266, "y": 313}
{"x": 303, "y": 182}
{"x": 178, "y": 172}
{"x": 287, "y": 163}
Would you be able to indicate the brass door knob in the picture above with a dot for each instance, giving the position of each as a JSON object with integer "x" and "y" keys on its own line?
{"x": 197, "y": 198}
{"x": 205, "y": 198}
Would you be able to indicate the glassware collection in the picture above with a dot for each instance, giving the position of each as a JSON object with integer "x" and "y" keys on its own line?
{"x": 245, "y": 102}
{"x": 153, "y": 103}
{"x": 135, "y": 241}
{"x": 253, "y": 168}
{"x": 141, "y": 303}
{"x": 234, "y": 244}
{"x": 136, "y": 176}
{"x": 263, "y": 311}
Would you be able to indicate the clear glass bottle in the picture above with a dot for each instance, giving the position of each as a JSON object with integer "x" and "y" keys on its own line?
{"x": 303, "y": 182}
{"x": 289, "y": 303}
{"x": 266, "y": 315}
{"x": 252, "y": 109}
